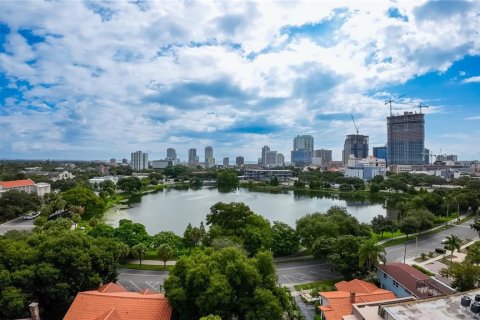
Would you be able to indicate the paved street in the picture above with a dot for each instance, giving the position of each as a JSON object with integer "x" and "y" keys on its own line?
{"x": 136, "y": 280}
{"x": 16, "y": 224}
{"x": 299, "y": 272}
{"x": 429, "y": 242}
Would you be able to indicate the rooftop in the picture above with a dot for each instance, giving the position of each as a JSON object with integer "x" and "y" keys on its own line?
{"x": 446, "y": 307}
{"x": 16, "y": 183}
{"x": 112, "y": 301}
{"x": 355, "y": 291}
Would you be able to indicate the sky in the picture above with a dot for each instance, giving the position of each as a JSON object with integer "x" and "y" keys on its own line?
{"x": 101, "y": 79}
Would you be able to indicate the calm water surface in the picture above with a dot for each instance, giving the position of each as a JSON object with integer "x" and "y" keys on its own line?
{"x": 172, "y": 210}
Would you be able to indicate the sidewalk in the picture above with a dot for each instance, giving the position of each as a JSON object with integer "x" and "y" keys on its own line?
{"x": 151, "y": 262}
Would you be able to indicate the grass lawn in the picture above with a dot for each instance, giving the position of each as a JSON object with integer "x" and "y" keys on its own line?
{"x": 386, "y": 235}
{"x": 322, "y": 285}
{"x": 145, "y": 267}
{"x": 402, "y": 240}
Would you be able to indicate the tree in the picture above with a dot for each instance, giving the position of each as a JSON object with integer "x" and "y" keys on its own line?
{"x": 167, "y": 237}
{"x": 192, "y": 236}
{"x": 408, "y": 225}
{"x": 473, "y": 254}
{"x": 476, "y": 225}
{"x": 139, "y": 251}
{"x": 369, "y": 253}
{"x": 227, "y": 179}
{"x": 344, "y": 255}
{"x": 453, "y": 242}
{"x": 131, "y": 233}
{"x": 130, "y": 184}
{"x": 211, "y": 317}
{"x": 102, "y": 230}
{"x": 229, "y": 216}
{"x": 14, "y": 203}
{"x": 465, "y": 275}
{"x": 84, "y": 197}
{"x": 285, "y": 240}
{"x": 165, "y": 252}
{"x": 225, "y": 283}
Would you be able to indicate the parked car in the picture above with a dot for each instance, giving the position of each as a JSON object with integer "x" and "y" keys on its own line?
{"x": 31, "y": 216}
{"x": 444, "y": 241}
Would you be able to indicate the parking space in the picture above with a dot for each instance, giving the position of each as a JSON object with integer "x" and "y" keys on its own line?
{"x": 137, "y": 280}
{"x": 292, "y": 273}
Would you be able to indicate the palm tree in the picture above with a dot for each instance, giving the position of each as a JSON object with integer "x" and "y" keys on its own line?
{"x": 165, "y": 252}
{"x": 453, "y": 242}
{"x": 368, "y": 254}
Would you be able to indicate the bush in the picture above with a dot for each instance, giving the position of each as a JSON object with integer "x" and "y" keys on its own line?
{"x": 423, "y": 270}
{"x": 440, "y": 250}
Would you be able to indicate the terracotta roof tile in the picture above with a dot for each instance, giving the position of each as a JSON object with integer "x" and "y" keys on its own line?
{"x": 339, "y": 303}
{"x": 112, "y": 304}
{"x": 16, "y": 183}
{"x": 111, "y": 287}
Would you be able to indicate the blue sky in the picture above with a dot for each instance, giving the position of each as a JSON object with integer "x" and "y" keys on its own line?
{"x": 100, "y": 79}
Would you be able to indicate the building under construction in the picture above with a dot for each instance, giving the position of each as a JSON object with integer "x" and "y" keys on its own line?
{"x": 406, "y": 139}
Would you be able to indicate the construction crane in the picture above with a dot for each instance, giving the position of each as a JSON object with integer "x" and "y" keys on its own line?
{"x": 389, "y": 101}
{"x": 420, "y": 106}
{"x": 356, "y": 127}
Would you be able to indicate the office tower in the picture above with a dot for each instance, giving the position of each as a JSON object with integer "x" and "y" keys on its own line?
{"x": 280, "y": 160}
{"x": 426, "y": 154}
{"x": 239, "y": 161}
{"x": 209, "y": 156}
{"x": 406, "y": 139}
{"x": 271, "y": 159}
{"x": 139, "y": 160}
{"x": 124, "y": 160}
{"x": 113, "y": 161}
{"x": 192, "y": 156}
{"x": 380, "y": 152}
{"x": 447, "y": 157}
{"x": 265, "y": 149}
{"x": 301, "y": 158}
{"x": 226, "y": 161}
{"x": 356, "y": 145}
{"x": 171, "y": 154}
{"x": 325, "y": 156}
{"x": 304, "y": 142}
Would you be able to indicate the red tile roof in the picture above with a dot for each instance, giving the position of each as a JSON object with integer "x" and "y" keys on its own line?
{"x": 404, "y": 274}
{"x": 112, "y": 302}
{"x": 16, "y": 183}
{"x": 339, "y": 303}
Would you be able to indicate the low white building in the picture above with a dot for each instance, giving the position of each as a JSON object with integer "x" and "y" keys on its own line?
{"x": 42, "y": 188}
{"x": 98, "y": 180}
{"x": 28, "y": 186}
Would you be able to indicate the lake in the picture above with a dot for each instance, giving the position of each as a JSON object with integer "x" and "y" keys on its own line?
{"x": 172, "y": 210}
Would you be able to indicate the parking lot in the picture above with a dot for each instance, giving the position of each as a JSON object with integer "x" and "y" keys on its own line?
{"x": 136, "y": 280}
{"x": 299, "y": 272}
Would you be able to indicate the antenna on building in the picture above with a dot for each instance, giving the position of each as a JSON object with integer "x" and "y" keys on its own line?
{"x": 356, "y": 127}
{"x": 389, "y": 101}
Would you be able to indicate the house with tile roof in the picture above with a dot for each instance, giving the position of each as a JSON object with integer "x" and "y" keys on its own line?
{"x": 334, "y": 305}
{"x": 113, "y": 302}
{"x": 27, "y": 185}
{"x": 405, "y": 281}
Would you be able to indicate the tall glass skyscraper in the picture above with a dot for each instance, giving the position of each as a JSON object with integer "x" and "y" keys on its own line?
{"x": 304, "y": 142}
{"x": 356, "y": 145}
{"x": 406, "y": 139}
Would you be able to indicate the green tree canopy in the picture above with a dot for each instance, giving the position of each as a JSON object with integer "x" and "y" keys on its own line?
{"x": 84, "y": 197}
{"x": 130, "y": 184}
{"x": 165, "y": 252}
{"x": 131, "y": 233}
{"x": 227, "y": 179}
{"x": 285, "y": 240}
{"x": 167, "y": 237}
{"x": 14, "y": 203}
{"x": 465, "y": 275}
{"x": 225, "y": 283}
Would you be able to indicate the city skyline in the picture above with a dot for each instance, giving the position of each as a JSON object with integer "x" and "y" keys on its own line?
{"x": 236, "y": 77}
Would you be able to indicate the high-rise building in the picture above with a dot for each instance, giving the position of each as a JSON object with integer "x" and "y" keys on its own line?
{"x": 192, "y": 156}
{"x": 113, "y": 161}
{"x": 265, "y": 149}
{"x": 325, "y": 156}
{"x": 226, "y": 161}
{"x": 280, "y": 160}
{"x": 426, "y": 154}
{"x": 447, "y": 157}
{"x": 139, "y": 160}
{"x": 304, "y": 142}
{"x": 380, "y": 152}
{"x": 208, "y": 156}
{"x": 239, "y": 161}
{"x": 301, "y": 158}
{"x": 271, "y": 159}
{"x": 406, "y": 139}
{"x": 171, "y": 154}
{"x": 356, "y": 145}
{"x": 124, "y": 160}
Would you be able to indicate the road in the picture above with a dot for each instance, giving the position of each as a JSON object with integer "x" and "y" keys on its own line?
{"x": 429, "y": 242}
{"x": 299, "y": 272}
{"x": 16, "y": 224}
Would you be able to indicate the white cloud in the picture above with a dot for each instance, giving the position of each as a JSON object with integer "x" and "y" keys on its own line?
{"x": 471, "y": 79}
{"x": 89, "y": 81}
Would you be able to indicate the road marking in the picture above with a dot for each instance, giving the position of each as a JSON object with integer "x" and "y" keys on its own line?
{"x": 135, "y": 285}
{"x": 142, "y": 275}
{"x": 300, "y": 267}
{"x": 154, "y": 285}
